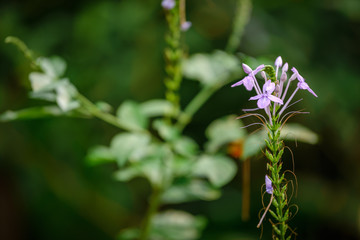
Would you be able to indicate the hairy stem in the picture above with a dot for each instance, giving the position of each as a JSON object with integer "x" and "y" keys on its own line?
{"x": 274, "y": 154}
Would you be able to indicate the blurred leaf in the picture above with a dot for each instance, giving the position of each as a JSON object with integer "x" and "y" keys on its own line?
{"x": 177, "y": 225}
{"x": 297, "y": 132}
{"x": 254, "y": 143}
{"x": 218, "y": 169}
{"x": 129, "y": 234}
{"x": 156, "y": 107}
{"x": 165, "y": 130}
{"x": 54, "y": 66}
{"x": 32, "y": 113}
{"x": 104, "y": 106}
{"x": 126, "y": 146}
{"x": 130, "y": 114}
{"x": 185, "y": 146}
{"x": 212, "y": 69}
{"x": 181, "y": 166}
{"x": 98, "y": 155}
{"x": 223, "y": 131}
{"x": 190, "y": 190}
{"x": 128, "y": 173}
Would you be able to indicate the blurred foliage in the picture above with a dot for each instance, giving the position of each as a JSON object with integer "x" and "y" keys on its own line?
{"x": 114, "y": 52}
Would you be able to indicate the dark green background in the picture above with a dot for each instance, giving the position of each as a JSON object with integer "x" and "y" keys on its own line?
{"x": 114, "y": 52}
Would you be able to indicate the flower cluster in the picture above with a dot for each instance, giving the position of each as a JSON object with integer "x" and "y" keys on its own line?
{"x": 273, "y": 88}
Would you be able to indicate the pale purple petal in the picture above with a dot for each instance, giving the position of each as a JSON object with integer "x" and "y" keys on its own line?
{"x": 258, "y": 69}
{"x": 185, "y": 26}
{"x": 246, "y": 68}
{"x": 278, "y": 62}
{"x": 285, "y": 67}
{"x": 275, "y": 99}
{"x": 263, "y": 102}
{"x": 263, "y": 74}
{"x": 297, "y": 74}
{"x": 248, "y": 83}
{"x": 268, "y": 87}
{"x": 256, "y": 97}
{"x": 268, "y": 184}
{"x": 305, "y": 86}
{"x": 238, "y": 83}
{"x": 283, "y": 77}
{"x": 168, "y": 4}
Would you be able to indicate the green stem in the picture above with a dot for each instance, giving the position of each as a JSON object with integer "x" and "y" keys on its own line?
{"x": 195, "y": 104}
{"x": 242, "y": 17}
{"x": 107, "y": 117}
{"x": 152, "y": 209}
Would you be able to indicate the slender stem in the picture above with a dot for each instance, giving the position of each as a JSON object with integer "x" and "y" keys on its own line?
{"x": 186, "y": 116}
{"x": 109, "y": 118}
{"x": 242, "y": 17}
{"x": 152, "y": 209}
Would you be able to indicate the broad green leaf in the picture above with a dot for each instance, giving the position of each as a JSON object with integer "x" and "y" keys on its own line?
{"x": 223, "y": 131}
{"x": 177, "y": 225}
{"x": 99, "y": 154}
{"x": 133, "y": 146}
{"x": 212, "y": 69}
{"x": 218, "y": 169}
{"x": 185, "y": 146}
{"x": 165, "y": 130}
{"x": 254, "y": 143}
{"x": 130, "y": 114}
{"x": 182, "y": 166}
{"x": 157, "y": 107}
{"x": 189, "y": 190}
{"x": 32, "y": 113}
{"x": 297, "y": 132}
{"x": 128, "y": 173}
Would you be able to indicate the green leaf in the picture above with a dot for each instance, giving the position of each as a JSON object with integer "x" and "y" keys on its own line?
{"x": 212, "y": 69}
{"x": 182, "y": 166}
{"x": 223, "y": 131}
{"x": 185, "y": 146}
{"x": 127, "y": 174}
{"x": 129, "y": 146}
{"x": 177, "y": 225}
{"x": 218, "y": 169}
{"x": 99, "y": 154}
{"x": 157, "y": 107}
{"x": 33, "y": 113}
{"x": 254, "y": 143}
{"x": 130, "y": 114}
{"x": 297, "y": 132}
{"x": 189, "y": 190}
{"x": 165, "y": 130}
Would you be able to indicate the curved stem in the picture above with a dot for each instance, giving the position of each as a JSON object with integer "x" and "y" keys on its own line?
{"x": 242, "y": 17}
{"x": 107, "y": 117}
{"x": 195, "y": 104}
{"x": 152, "y": 209}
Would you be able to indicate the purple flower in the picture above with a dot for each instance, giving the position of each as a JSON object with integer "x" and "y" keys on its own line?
{"x": 278, "y": 62}
{"x": 266, "y": 97}
{"x": 268, "y": 184}
{"x": 185, "y": 26}
{"x": 249, "y": 80}
{"x": 168, "y": 4}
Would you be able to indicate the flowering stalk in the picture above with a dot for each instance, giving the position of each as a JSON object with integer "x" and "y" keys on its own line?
{"x": 173, "y": 52}
{"x": 274, "y": 102}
